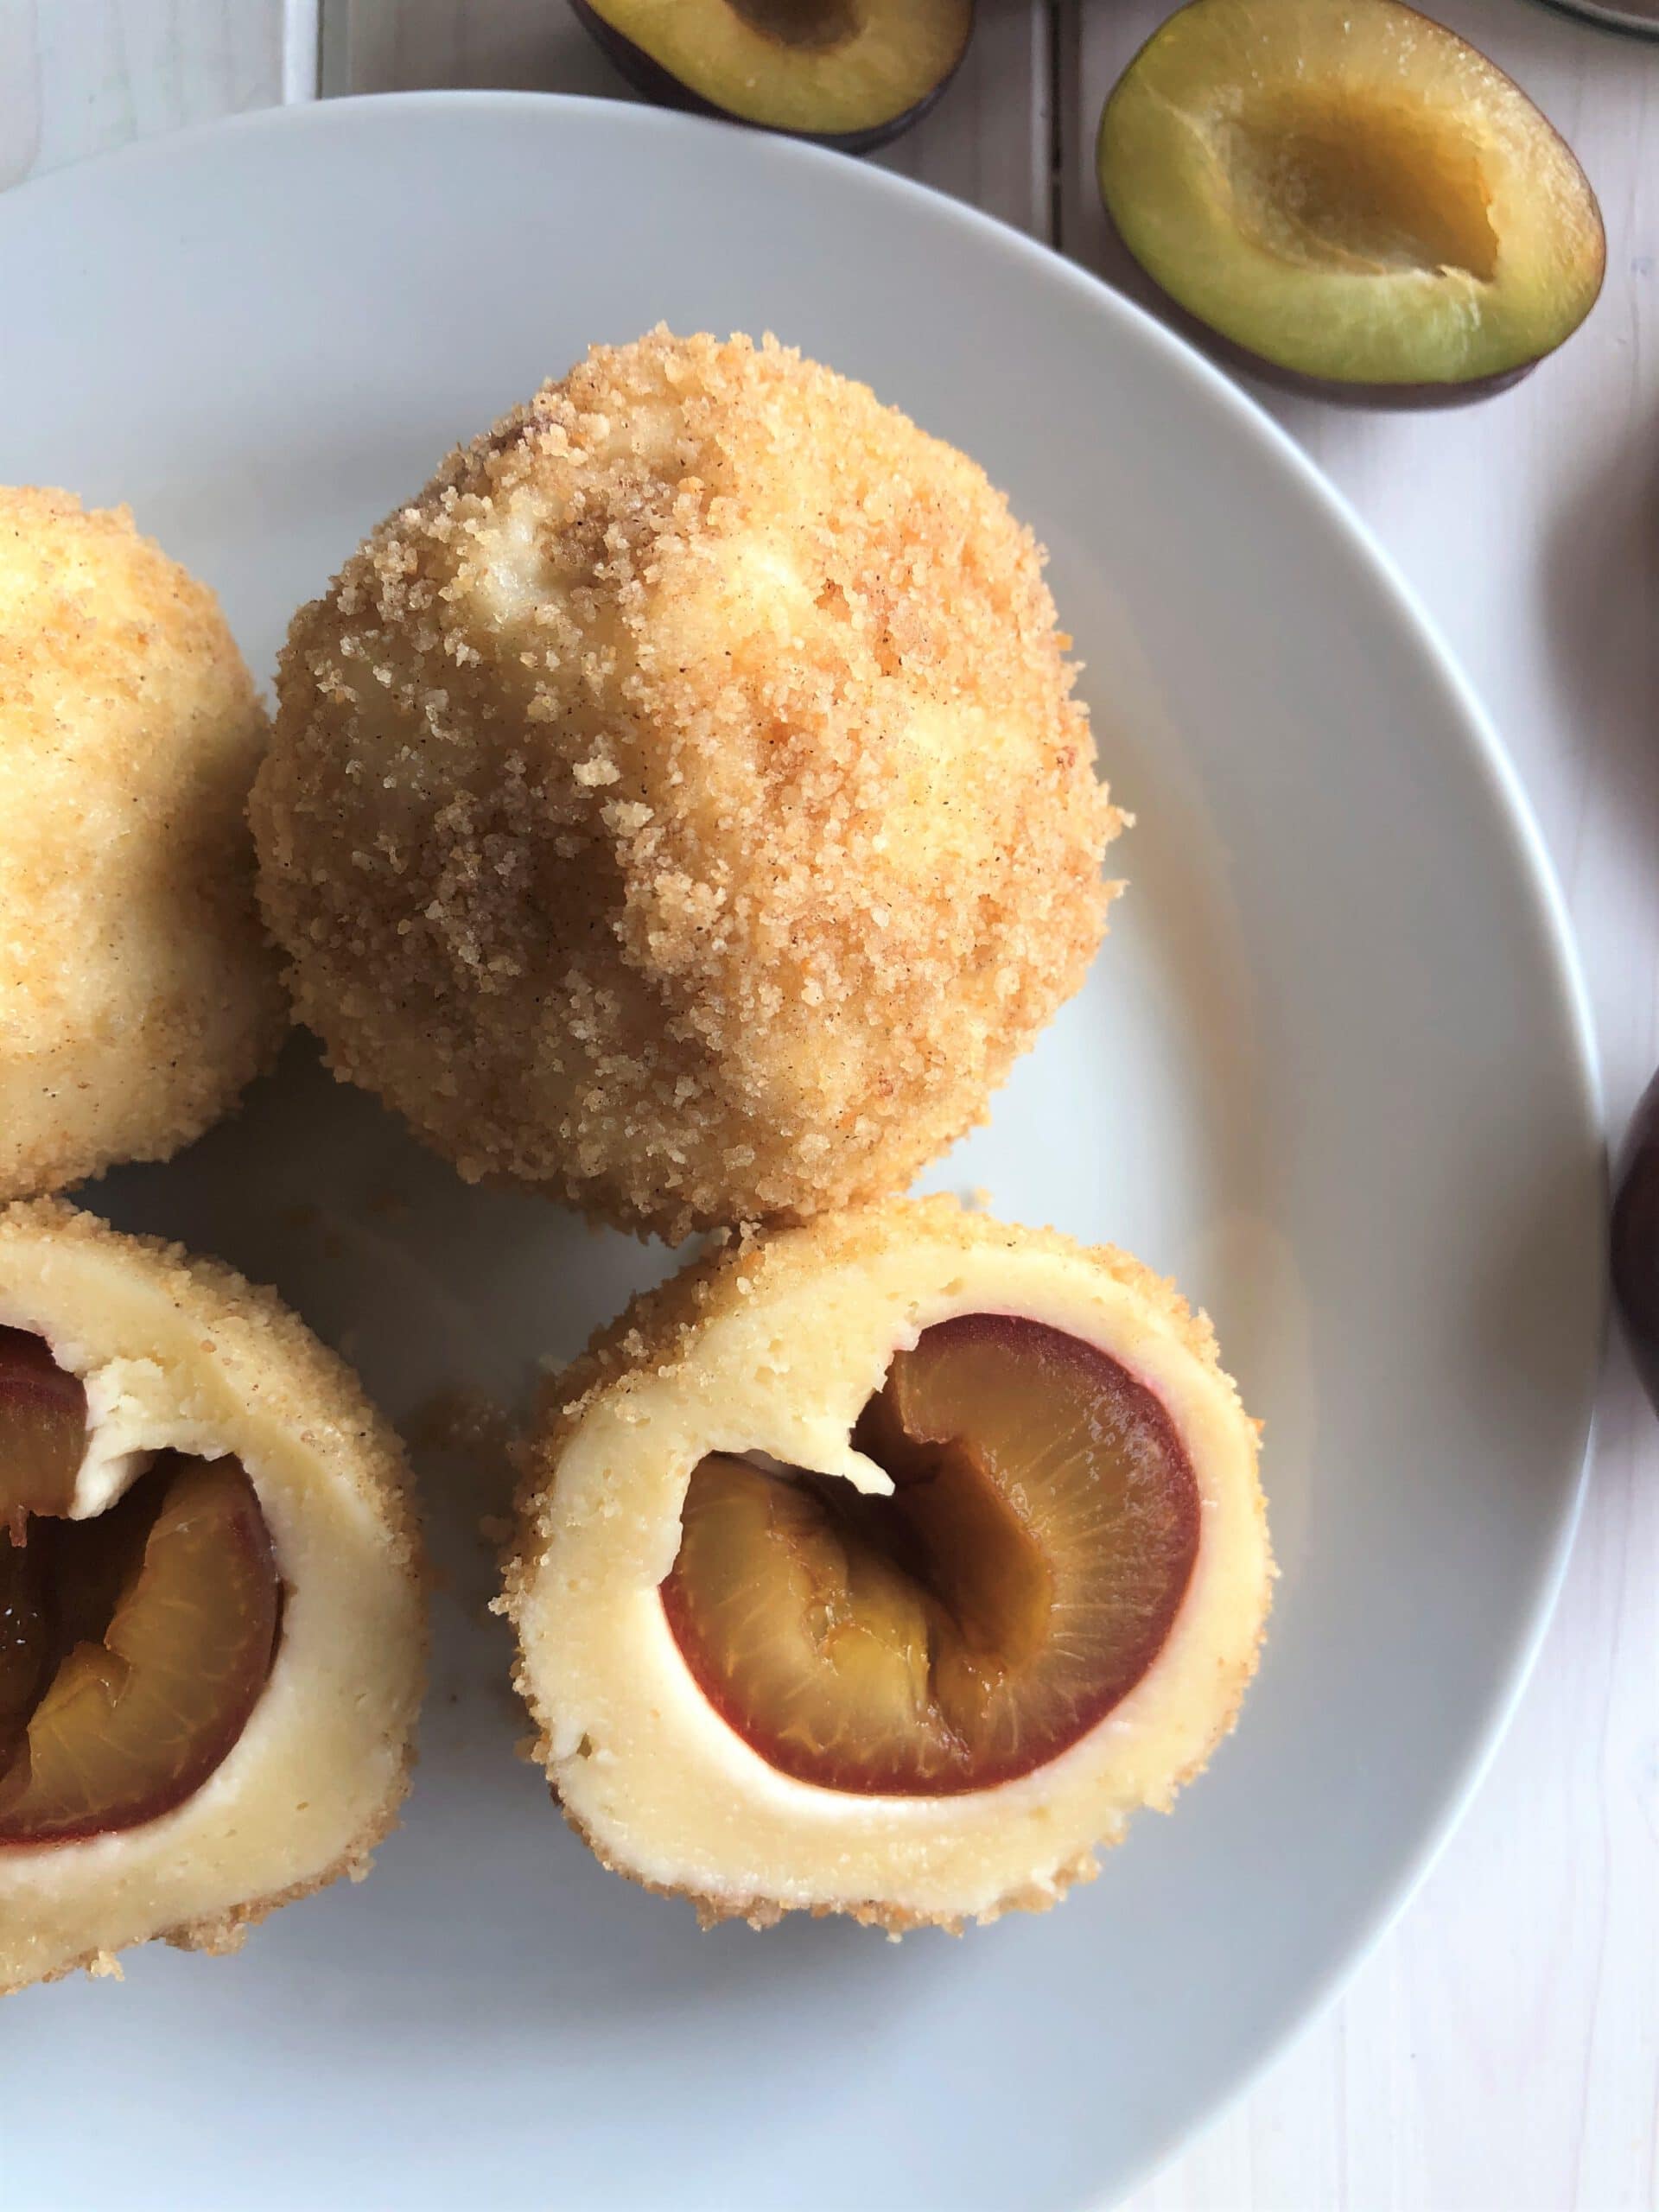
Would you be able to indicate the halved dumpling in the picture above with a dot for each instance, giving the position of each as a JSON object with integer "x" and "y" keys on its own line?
{"x": 886, "y": 1566}
{"x": 211, "y": 1611}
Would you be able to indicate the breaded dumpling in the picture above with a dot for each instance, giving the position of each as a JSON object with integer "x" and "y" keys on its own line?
{"x": 137, "y": 994}
{"x": 887, "y": 1565}
{"x": 682, "y": 806}
{"x": 212, "y": 1614}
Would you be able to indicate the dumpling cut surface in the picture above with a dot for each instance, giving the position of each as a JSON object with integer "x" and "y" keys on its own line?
{"x": 681, "y": 806}
{"x": 887, "y": 1565}
{"x": 212, "y": 1627}
{"x": 137, "y": 994}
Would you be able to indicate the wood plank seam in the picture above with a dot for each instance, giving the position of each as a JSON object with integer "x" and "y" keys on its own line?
{"x": 302, "y": 51}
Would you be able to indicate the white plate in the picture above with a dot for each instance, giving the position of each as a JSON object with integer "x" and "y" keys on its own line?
{"x": 1332, "y": 1071}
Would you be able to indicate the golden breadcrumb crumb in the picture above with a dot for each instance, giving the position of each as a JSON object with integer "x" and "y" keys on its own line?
{"x": 137, "y": 994}
{"x": 895, "y": 1921}
{"x": 225, "y": 1933}
{"x": 682, "y": 806}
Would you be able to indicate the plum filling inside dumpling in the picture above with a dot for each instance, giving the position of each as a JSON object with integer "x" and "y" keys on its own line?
{"x": 134, "y": 1644}
{"x": 1017, "y": 1583}
{"x": 42, "y": 1432}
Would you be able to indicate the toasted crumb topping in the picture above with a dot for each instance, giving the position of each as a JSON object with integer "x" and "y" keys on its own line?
{"x": 682, "y": 806}
{"x": 138, "y": 995}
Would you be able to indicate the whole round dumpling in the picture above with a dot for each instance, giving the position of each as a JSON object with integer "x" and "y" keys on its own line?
{"x": 887, "y": 1565}
{"x": 682, "y": 806}
{"x": 138, "y": 995}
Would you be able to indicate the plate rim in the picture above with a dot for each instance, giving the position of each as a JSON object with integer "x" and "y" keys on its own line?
{"x": 1515, "y": 820}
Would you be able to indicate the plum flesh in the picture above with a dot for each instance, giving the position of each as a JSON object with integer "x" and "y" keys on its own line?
{"x": 42, "y": 1432}
{"x": 133, "y": 1648}
{"x": 847, "y": 74}
{"x": 1349, "y": 198}
{"x": 1016, "y": 1587}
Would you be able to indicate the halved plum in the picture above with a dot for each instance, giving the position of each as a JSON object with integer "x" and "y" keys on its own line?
{"x": 163, "y": 1615}
{"x": 1350, "y": 196}
{"x": 42, "y": 1432}
{"x": 1020, "y": 1581}
{"x": 851, "y": 73}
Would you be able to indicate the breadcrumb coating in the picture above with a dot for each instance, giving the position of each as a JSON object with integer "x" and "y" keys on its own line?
{"x": 137, "y": 992}
{"x": 682, "y": 806}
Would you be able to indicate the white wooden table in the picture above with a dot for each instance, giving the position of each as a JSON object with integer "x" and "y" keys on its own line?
{"x": 1500, "y": 2052}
